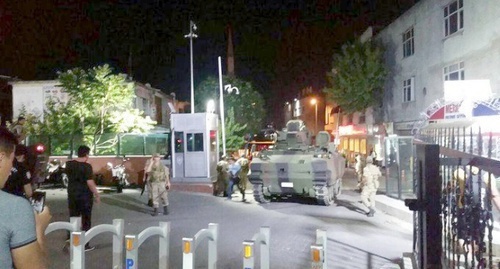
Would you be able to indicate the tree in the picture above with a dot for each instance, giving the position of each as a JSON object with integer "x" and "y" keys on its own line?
{"x": 248, "y": 105}
{"x": 99, "y": 102}
{"x": 357, "y": 76}
{"x": 234, "y": 141}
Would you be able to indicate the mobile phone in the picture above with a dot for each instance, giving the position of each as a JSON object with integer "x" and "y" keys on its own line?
{"x": 38, "y": 201}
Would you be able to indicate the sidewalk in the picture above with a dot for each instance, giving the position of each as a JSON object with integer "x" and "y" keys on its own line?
{"x": 384, "y": 203}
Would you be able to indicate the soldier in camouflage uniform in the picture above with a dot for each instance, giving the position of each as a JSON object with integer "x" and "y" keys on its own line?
{"x": 245, "y": 168}
{"x": 370, "y": 184}
{"x": 220, "y": 185}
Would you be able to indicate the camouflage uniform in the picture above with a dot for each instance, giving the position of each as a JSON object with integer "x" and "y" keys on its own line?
{"x": 243, "y": 175}
{"x": 370, "y": 184}
{"x": 222, "y": 177}
{"x": 159, "y": 176}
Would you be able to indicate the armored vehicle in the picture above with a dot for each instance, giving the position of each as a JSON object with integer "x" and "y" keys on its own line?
{"x": 296, "y": 167}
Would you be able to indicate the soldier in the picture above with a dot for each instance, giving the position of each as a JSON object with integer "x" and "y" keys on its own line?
{"x": 369, "y": 185}
{"x": 159, "y": 176}
{"x": 245, "y": 169}
{"x": 220, "y": 185}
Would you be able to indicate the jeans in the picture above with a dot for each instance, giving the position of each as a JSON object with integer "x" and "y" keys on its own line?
{"x": 232, "y": 182}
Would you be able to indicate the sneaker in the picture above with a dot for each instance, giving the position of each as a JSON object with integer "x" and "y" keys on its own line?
{"x": 89, "y": 248}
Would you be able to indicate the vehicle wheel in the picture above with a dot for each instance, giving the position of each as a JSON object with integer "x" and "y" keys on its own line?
{"x": 119, "y": 188}
{"x": 64, "y": 180}
{"x": 325, "y": 195}
{"x": 258, "y": 194}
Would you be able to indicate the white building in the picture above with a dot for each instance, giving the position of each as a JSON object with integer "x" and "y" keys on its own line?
{"x": 437, "y": 41}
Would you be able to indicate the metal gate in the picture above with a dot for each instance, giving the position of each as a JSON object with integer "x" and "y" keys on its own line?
{"x": 455, "y": 192}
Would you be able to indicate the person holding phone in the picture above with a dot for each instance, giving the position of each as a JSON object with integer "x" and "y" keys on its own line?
{"x": 159, "y": 178}
{"x": 22, "y": 232}
{"x": 81, "y": 189}
{"x": 19, "y": 181}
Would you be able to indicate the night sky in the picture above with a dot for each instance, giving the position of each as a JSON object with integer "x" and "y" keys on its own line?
{"x": 280, "y": 46}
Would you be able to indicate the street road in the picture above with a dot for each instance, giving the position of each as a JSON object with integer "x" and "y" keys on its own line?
{"x": 354, "y": 240}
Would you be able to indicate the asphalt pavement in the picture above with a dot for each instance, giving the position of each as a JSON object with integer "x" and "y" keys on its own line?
{"x": 354, "y": 240}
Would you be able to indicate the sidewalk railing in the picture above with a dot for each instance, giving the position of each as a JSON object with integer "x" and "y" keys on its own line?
{"x": 189, "y": 245}
{"x": 133, "y": 242}
{"x": 263, "y": 238}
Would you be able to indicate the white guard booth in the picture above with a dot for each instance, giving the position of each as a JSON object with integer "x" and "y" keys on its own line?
{"x": 195, "y": 147}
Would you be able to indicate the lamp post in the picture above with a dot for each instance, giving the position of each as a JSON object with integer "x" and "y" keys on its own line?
{"x": 229, "y": 89}
{"x": 315, "y": 103}
{"x": 191, "y": 35}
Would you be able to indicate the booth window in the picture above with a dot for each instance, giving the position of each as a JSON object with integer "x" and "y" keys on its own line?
{"x": 179, "y": 145}
{"x": 194, "y": 142}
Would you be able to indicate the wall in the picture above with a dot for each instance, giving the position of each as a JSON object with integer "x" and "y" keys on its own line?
{"x": 477, "y": 45}
{"x": 134, "y": 167}
{"x": 32, "y": 95}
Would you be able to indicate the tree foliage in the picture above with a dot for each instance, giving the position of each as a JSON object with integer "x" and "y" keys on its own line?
{"x": 99, "y": 102}
{"x": 357, "y": 77}
{"x": 234, "y": 140}
{"x": 248, "y": 105}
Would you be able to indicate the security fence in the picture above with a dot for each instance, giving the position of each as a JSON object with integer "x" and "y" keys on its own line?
{"x": 456, "y": 189}
{"x": 103, "y": 144}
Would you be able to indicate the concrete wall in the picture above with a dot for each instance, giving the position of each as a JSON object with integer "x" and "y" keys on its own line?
{"x": 477, "y": 45}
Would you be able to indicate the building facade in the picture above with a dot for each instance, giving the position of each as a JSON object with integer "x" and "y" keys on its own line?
{"x": 444, "y": 59}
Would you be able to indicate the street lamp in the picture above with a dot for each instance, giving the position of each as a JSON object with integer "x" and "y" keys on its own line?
{"x": 211, "y": 106}
{"x": 315, "y": 103}
{"x": 191, "y": 35}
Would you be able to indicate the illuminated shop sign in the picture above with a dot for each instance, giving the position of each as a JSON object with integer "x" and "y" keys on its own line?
{"x": 352, "y": 130}
{"x": 465, "y": 109}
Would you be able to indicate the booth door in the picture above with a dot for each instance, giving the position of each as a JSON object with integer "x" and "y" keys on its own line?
{"x": 195, "y": 157}
{"x": 178, "y": 156}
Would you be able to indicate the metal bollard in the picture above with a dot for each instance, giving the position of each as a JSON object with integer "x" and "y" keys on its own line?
{"x": 79, "y": 239}
{"x": 318, "y": 251}
{"x": 133, "y": 242}
{"x": 263, "y": 238}
{"x": 189, "y": 246}
{"x": 74, "y": 225}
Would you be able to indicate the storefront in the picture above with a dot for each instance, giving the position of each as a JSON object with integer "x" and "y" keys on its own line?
{"x": 361, "y": 139}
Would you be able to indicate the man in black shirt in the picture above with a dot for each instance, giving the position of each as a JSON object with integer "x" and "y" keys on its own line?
{"x": 19, "y": 181}
{"x": 81, "y": 188}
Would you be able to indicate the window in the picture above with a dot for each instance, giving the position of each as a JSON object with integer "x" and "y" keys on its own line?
{"x": 408, "y": 92}
{"x": 194, "y": 142}
{"x": 179, "y": 145}
{"x": 454, "y": 72}
{"x": 453, "y": 17}
{"x": 408, "y": 43}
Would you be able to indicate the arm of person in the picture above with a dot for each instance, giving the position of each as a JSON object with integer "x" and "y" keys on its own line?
{"x": 93, "y": 188}
{"x": 30, "y": 256}
{"x": 28, "y": 190}
{"x": 149, "y": 166}
{"x": 167, "y": 176}
{"x": 34, "y": 254}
